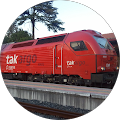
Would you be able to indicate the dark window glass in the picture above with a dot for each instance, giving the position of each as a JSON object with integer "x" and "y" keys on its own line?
{"x": 22, "y": 45}
{"x": 78, "y": 46}
{"x": 114, "y": 42}
{"x": 50, "y": 40}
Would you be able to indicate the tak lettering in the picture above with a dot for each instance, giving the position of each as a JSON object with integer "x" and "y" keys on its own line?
{"x": 12, "y": 59}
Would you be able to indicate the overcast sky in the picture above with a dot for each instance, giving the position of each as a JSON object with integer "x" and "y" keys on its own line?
{"x": 75, "y": 17}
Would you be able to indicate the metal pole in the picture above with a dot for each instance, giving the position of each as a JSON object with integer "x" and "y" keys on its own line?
{"x": 61, "y": 60}
{"x": 53, "y": 61}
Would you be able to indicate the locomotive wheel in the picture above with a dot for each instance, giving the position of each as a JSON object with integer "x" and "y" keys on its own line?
{"x": 37, "y": 78}
{"x": 60, "y": 80}
{"x": 49, "y": 80}
{"x": 30, "y": 78}
{"x": 70, "y": 81}
{"x": 76, "y": 82}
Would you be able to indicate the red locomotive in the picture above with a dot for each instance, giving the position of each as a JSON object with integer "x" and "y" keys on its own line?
{"x": 82, "y": 57}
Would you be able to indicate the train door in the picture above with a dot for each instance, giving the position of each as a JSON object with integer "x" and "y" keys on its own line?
{"x": 57, "y": 64}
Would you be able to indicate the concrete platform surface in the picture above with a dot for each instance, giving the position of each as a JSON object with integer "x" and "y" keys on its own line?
{"x": 78, "y": 96}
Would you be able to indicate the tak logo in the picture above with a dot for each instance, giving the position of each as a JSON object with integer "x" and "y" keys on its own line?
{"x": 12, "y": 59}
{"x": 108, "y": 65}
{"x": 70, "y": 63}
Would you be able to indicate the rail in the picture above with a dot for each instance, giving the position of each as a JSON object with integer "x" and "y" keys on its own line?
{"x": 50, "y": 111}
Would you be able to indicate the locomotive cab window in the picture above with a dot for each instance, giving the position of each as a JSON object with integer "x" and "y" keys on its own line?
{"x": 78, "y": 46}
{"x": 103, "y": 43}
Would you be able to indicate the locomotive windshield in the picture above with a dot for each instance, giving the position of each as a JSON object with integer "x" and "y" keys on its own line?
{"x": 103, "y": 43}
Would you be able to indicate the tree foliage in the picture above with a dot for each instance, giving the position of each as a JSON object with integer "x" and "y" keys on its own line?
{"x": 18, "y": 36}
{"x": 44, "y": 13}
{"x": 12, "y": 29}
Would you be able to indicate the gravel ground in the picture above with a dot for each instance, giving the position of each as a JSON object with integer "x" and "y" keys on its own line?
{"x": 49, "y": 116}
{"x": 53, "y": 105}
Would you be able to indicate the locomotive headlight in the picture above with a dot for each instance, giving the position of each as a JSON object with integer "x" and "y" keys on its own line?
{"x": 117, "y": 68}
{"x": 102, "y": 68}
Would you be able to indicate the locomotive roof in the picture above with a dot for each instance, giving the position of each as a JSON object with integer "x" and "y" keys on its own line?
{"x": 5, "y": 45}
{"x": 49, "y": 39}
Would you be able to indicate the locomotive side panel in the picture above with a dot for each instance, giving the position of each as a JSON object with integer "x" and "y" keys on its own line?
{"x": 44, "y": 62}
{"x": 79, "y": 55}
{"x": 17, "y": 61}
{"x": 82, "y": 65}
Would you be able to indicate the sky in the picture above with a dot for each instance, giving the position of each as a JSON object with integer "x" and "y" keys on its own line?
{"x": 75, "y": 17}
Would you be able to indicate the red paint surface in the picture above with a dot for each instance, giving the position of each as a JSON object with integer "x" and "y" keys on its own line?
{"x": 40, "y": 59}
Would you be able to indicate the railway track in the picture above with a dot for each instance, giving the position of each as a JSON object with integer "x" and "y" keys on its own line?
{"x": 50, "y": 111}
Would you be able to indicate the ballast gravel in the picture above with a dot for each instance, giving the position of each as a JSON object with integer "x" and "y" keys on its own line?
{"x": 52, "y": 105}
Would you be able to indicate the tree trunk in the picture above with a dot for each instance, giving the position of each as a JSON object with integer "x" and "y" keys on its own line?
{"x": 33, "y": 29}
{"x": 33, "y": 22}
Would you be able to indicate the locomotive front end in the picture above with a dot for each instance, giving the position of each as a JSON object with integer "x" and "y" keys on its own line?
{"x": 106, "y": 63}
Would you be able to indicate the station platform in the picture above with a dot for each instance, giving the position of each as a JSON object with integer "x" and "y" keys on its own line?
{"x": 87, "y": 98}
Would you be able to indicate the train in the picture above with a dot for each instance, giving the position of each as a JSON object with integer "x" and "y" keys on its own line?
{"x": 82, "y": 57}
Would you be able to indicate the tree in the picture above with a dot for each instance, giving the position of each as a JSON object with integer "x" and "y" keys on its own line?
{"x": 44, "y": 13}
{"x": 18, "y": 36}
{"x": 12, "y": 29}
